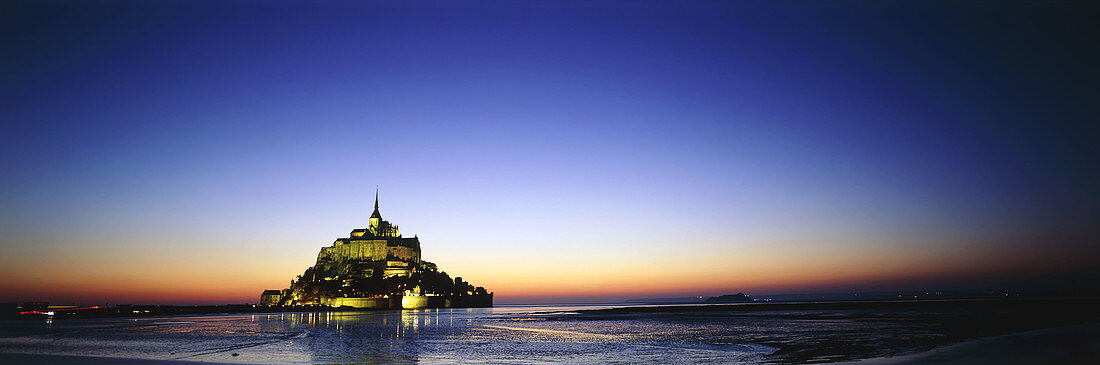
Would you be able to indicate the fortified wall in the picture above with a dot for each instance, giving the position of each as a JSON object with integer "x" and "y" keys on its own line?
{"x": 413, "y": 302}
{"x": 344, "y": 249}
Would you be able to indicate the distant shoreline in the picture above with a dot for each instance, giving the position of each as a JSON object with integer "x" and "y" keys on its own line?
{"x": 142, "y": 311}
{"x": 1012, "y": 303}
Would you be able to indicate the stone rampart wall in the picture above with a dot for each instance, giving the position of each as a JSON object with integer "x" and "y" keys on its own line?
{"x": 405, "y": 253}
{"x": 367, "y": 250}
{"x": 411, "y": 302}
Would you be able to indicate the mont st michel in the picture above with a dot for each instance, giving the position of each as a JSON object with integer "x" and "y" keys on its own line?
{"x": 376, "y": 267}
{"x": 577, "y": 182}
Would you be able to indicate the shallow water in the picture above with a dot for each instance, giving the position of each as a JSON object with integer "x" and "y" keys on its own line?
{"x": 496, "y": 335}
{"x": 527, "y": 334}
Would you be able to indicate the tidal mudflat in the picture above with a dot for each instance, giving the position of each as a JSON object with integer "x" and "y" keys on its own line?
{"x": 748, "y": 333}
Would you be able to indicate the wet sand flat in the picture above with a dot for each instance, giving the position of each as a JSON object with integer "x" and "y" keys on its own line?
{"x": 890, "y": 332}
{"x": 40, "y": 359}
{"x": 1078, "y": 344}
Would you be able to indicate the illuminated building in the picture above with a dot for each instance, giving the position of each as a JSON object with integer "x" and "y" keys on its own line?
{"x": 271, "y": 297}
{"x": 380, "y": 243}
{"x": 376, "y": 267}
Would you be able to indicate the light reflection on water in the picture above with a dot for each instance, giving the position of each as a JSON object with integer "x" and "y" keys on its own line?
{"x": 498, "y": 335}
{"x": 794, "y": 333}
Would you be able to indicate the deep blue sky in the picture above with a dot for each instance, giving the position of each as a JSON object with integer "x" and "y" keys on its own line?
{"x": 778, "y": 145}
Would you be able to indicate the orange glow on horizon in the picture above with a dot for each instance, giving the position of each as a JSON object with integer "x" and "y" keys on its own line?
{"x": 194, "y": 277}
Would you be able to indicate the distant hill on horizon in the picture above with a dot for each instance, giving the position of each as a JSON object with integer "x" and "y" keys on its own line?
{"x": 730, "y": 298}
{"x": 675, "y": 300}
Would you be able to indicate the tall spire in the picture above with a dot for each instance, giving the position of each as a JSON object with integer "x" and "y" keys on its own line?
{"x": 376, "y": 214}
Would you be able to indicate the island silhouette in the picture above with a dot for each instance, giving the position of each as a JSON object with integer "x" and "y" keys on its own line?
{"x": 377, "y": 267}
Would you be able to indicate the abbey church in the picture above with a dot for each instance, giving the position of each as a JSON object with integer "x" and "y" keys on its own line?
{"x": 380, "y": 241}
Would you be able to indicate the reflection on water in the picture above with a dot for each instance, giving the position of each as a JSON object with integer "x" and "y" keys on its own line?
{"x": 503, "y": 334}
{"x": 543, "y": 334}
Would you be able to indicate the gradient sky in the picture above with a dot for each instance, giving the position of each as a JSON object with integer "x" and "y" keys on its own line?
{"x": 200, "y": 152}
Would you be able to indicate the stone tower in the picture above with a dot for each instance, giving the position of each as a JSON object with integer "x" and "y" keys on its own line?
{"x": 376, "y": 217}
